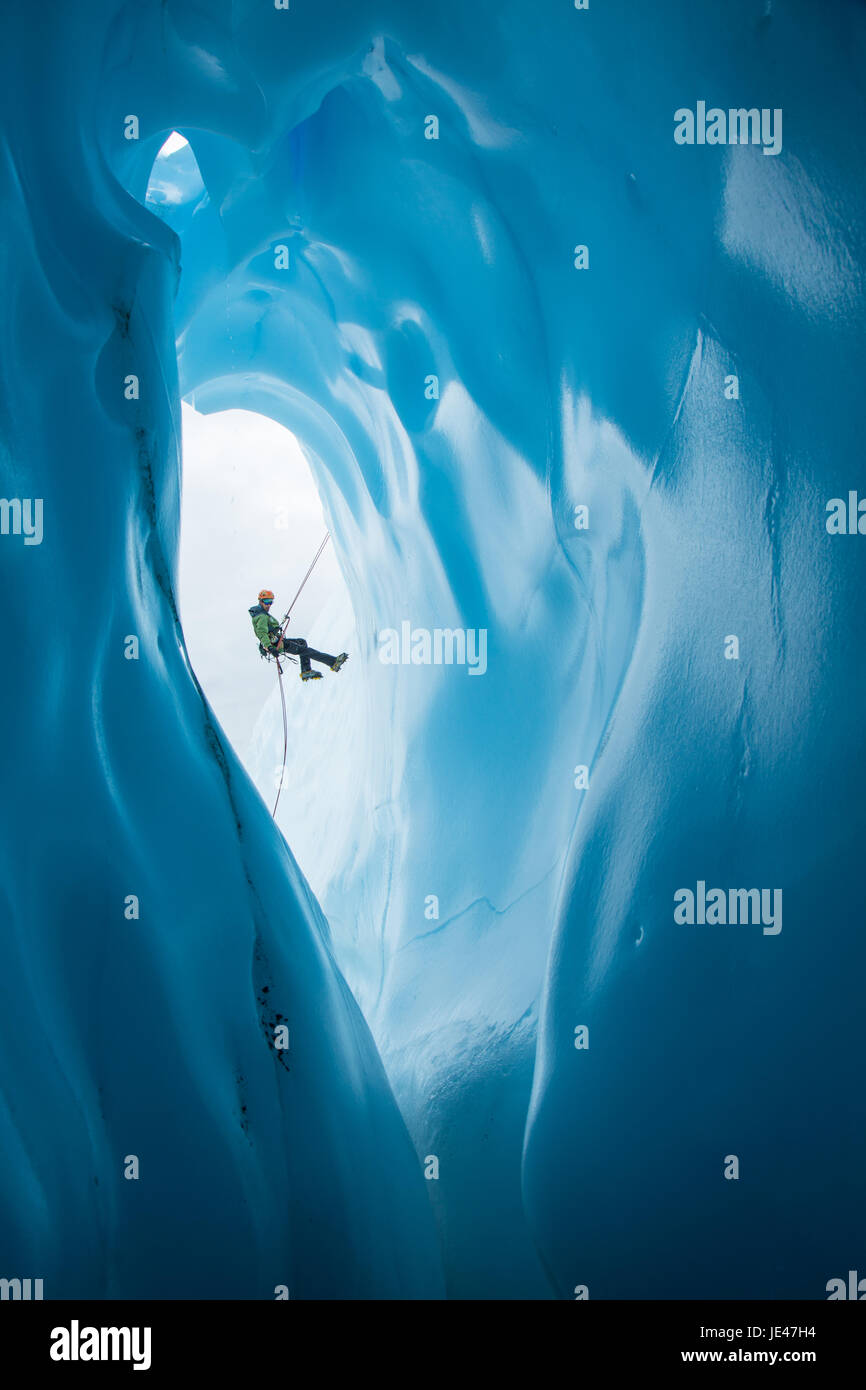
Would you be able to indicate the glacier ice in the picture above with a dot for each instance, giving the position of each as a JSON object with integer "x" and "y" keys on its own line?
{"x": 410, "y": 308}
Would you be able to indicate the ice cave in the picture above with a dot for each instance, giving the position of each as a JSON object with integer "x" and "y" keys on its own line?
{"x": 566, "y": 378}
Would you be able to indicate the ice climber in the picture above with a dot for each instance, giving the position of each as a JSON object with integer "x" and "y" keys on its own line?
{"x": 272, "y": 643}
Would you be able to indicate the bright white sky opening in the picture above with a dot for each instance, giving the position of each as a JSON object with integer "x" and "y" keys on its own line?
{"x": 251, "y": 519}
{"x": 174, "y": 142}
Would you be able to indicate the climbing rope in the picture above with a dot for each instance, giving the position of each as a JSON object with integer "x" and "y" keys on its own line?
{"x": 285, "y": 739}
{"x": 304, "y": 580}
{"x": 280, "y": 671}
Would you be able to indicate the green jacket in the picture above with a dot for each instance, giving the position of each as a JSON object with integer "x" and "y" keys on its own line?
{"x": 266, "y": 628}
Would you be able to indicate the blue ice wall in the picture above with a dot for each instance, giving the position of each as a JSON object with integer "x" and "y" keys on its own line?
{"x": 560, "y": 1166}
{"x": 152, "y": 1036}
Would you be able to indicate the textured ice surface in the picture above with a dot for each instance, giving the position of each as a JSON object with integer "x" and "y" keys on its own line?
{"x": 408, "y": 258}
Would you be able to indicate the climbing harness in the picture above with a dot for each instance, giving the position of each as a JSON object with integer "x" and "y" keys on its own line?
{"x": 280, "y": 669}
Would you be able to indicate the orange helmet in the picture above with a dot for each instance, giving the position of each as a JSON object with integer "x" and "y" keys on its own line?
{"x": 265, "y": 596}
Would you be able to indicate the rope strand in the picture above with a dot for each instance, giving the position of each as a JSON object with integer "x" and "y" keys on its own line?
{"x": 285, "y": 740}
{"x": 280, "y": 670}
{"x": 304, "y": 580}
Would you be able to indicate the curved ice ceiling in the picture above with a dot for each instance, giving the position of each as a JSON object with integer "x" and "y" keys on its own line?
{"x": 452, "y": 505}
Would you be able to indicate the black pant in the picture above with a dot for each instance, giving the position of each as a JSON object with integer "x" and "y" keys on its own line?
{"x": 298, "y": 647}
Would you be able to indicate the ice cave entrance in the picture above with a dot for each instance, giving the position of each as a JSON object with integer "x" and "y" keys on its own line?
{"x": 175, "y": 177}
{"x": 251, "y": 518}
